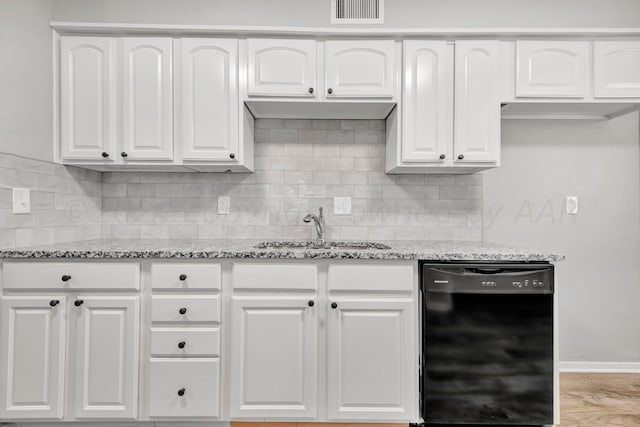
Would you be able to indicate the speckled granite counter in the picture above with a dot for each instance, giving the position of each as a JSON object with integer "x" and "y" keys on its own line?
{"x": 400, "y": 250}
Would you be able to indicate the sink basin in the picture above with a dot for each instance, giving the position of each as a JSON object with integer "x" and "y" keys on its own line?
{"x": 314, "y": 244}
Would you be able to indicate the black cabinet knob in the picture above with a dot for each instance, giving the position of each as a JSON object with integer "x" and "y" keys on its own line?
{"x": 105, "y": 154}
{"x": 329, "y": 91}
{"x": 54, "y": 302}
{"x": 181, "y": 344}
{"x": 183, "y": 277}
{"x": 66, "y": 278}
{"x": 311, "y": 303}
{"x": 232, "y": 156}
{"x": 123, "y": 154}
{"x": 78, "y": 302}
{"x": 334, "y": 305}
{"x": 461, "y": 156}
{"x": 181, "y": 392}
{"x": 182, "y": 310}
{"x": 442, "y": 156}
{"x": 310, "y": 90}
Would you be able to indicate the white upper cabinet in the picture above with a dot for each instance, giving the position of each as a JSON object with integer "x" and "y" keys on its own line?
{"x": 616, "y": 69}
{"x": 360, "y": 68}
{"x": 208, "y": 99}
{"x": 32, "y": 345}
{"x": 87, "y": 98}
{"x": 281, "y": 67}
{"x": 552, "y": 68}
{"x": 106, "y": 356}
{"x": 147, "y": 122}
{"x": 427, "y": 101}
{"x": 370, "y": 365}
{"x": 477, "y": 104}
{"x": 273, "y": 367}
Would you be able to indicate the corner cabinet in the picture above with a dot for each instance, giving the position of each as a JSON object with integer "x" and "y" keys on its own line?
{"x": 439, "y": 129}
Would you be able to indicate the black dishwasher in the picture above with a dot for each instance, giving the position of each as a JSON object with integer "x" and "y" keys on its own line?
{"x": 487, "y": 343}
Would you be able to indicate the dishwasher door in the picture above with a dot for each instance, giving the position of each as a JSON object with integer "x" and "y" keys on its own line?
{"x": 487, "y": 344}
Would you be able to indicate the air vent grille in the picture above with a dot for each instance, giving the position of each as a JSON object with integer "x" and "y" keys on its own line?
{"x": 357, "y": 11}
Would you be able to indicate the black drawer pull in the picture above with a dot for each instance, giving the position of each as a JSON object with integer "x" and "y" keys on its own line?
{"x": 311, "y": 303}
{"x": 78, "y": 302}
{"x": 54, "y": 302}
{"x": 182, "y": 310}
{"x": 334, "y": 305}
{"x": 183, "y": 277}
{"x": 181, "y": 344}
{"x": 66, "y": 278}
{"x": 181, "y": 392}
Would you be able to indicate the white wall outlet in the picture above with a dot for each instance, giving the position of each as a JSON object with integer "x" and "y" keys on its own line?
{"x": 572, "y": 205}
{"x": 224, "y": 205}
{"x": 21, "y": 200}
{"x": 342, "y": 205}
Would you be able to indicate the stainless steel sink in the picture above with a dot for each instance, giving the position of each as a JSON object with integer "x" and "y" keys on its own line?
{"x": 315, "y": 244}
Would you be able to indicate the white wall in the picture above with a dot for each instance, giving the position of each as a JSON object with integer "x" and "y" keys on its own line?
{"x": 399, "y": 13}
{"x": 599, "y": 283}
{"x": 25, "y": 79}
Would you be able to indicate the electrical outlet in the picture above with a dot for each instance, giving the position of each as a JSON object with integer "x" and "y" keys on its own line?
{"x": 572, "y": 205}
{"x": 224, "y": 205}
{"x": 21, "y": 200}
{"x": 342, "y": 205}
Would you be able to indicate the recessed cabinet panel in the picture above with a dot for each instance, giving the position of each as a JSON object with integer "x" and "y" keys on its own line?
{"x": 32, "y": 345}
{"x": 147, "y": 109}
{"x": 371, "y": 373}
{"x": 282, "y": 67}
{"x": 209, "y": 92}
{"x": 551, "y": 68}
{"x": 477, "y": 106}
{"x": 616, "y": 69}
{"x": 273, "y": 369}
{"x": 87, "y": 98}
{"x": 360, "y": 68}
{"x": 106, "y": 356}
{"x": 427, "y": 101}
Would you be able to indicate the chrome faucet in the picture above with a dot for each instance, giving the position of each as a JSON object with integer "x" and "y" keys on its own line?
{"x": 319, "y": 220}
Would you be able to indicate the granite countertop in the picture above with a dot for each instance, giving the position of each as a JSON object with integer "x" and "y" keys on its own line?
{"x": 184, "y": 249}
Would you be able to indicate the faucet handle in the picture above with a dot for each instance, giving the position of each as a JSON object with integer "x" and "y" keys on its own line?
{"x": 320, "y": 209}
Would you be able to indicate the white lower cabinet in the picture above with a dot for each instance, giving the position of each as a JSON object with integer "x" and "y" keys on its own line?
{"x": 102, "y": 349}
{"x": 274, "y": 348}
{"x": 370, "y": 368}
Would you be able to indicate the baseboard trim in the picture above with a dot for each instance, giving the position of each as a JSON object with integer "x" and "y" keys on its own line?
{"x": 610, "y": 367}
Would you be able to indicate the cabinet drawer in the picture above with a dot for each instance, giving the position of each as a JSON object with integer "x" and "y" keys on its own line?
{"x": 372, "y": 277}
{"x": 70, "y": 275}
{"x": 275, "y": 276}
{"x": 201, "y": 308}
{"x": 203, "y": 342}
{"x": 185, "y": 276}
{"x": 197, "y": 381}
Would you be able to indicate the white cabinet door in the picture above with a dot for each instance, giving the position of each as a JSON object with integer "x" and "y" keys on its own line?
{"x": 32, "y": 345}
{"x": 427, "y": 101}
{"x": 209, "y": 99}
{"x": 372, "y": 369}
{"x": 477, "y": 106}
{"x": 360, "y": 68}
{"x": 106, "y": 356}
{"x": 552, "y": 68}
{"x": 147, "y": 104}
{"x": 616, "y": 71}
{"x": 274, "y": 366}
{"x": 87, "y": 98}
{"x": 282, "y": 67}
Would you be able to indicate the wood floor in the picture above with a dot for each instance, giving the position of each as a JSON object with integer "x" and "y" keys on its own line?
{"x": 599, "y": 400}
{"x": 586, "y": 400}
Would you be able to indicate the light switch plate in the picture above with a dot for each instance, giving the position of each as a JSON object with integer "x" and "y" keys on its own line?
{"x": 21, "y": 200}
{"x": 342, "y": 205}
{"x": 224, "y": 205}
{"x": 572, "y": 205}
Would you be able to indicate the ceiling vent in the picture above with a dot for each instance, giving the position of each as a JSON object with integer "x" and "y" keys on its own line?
{"x": 357, "y": 11}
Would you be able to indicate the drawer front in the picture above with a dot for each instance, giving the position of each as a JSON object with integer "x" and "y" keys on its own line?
{"x": 180, "y": 342}
{"x": 200, "y": 308}
{"x": 197, "y": 380}
{"x": 185, "y": 276}
{"x": 275, "y": 276}
{"x": 372, "y": 277}
{"x": 71, "y": 275}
